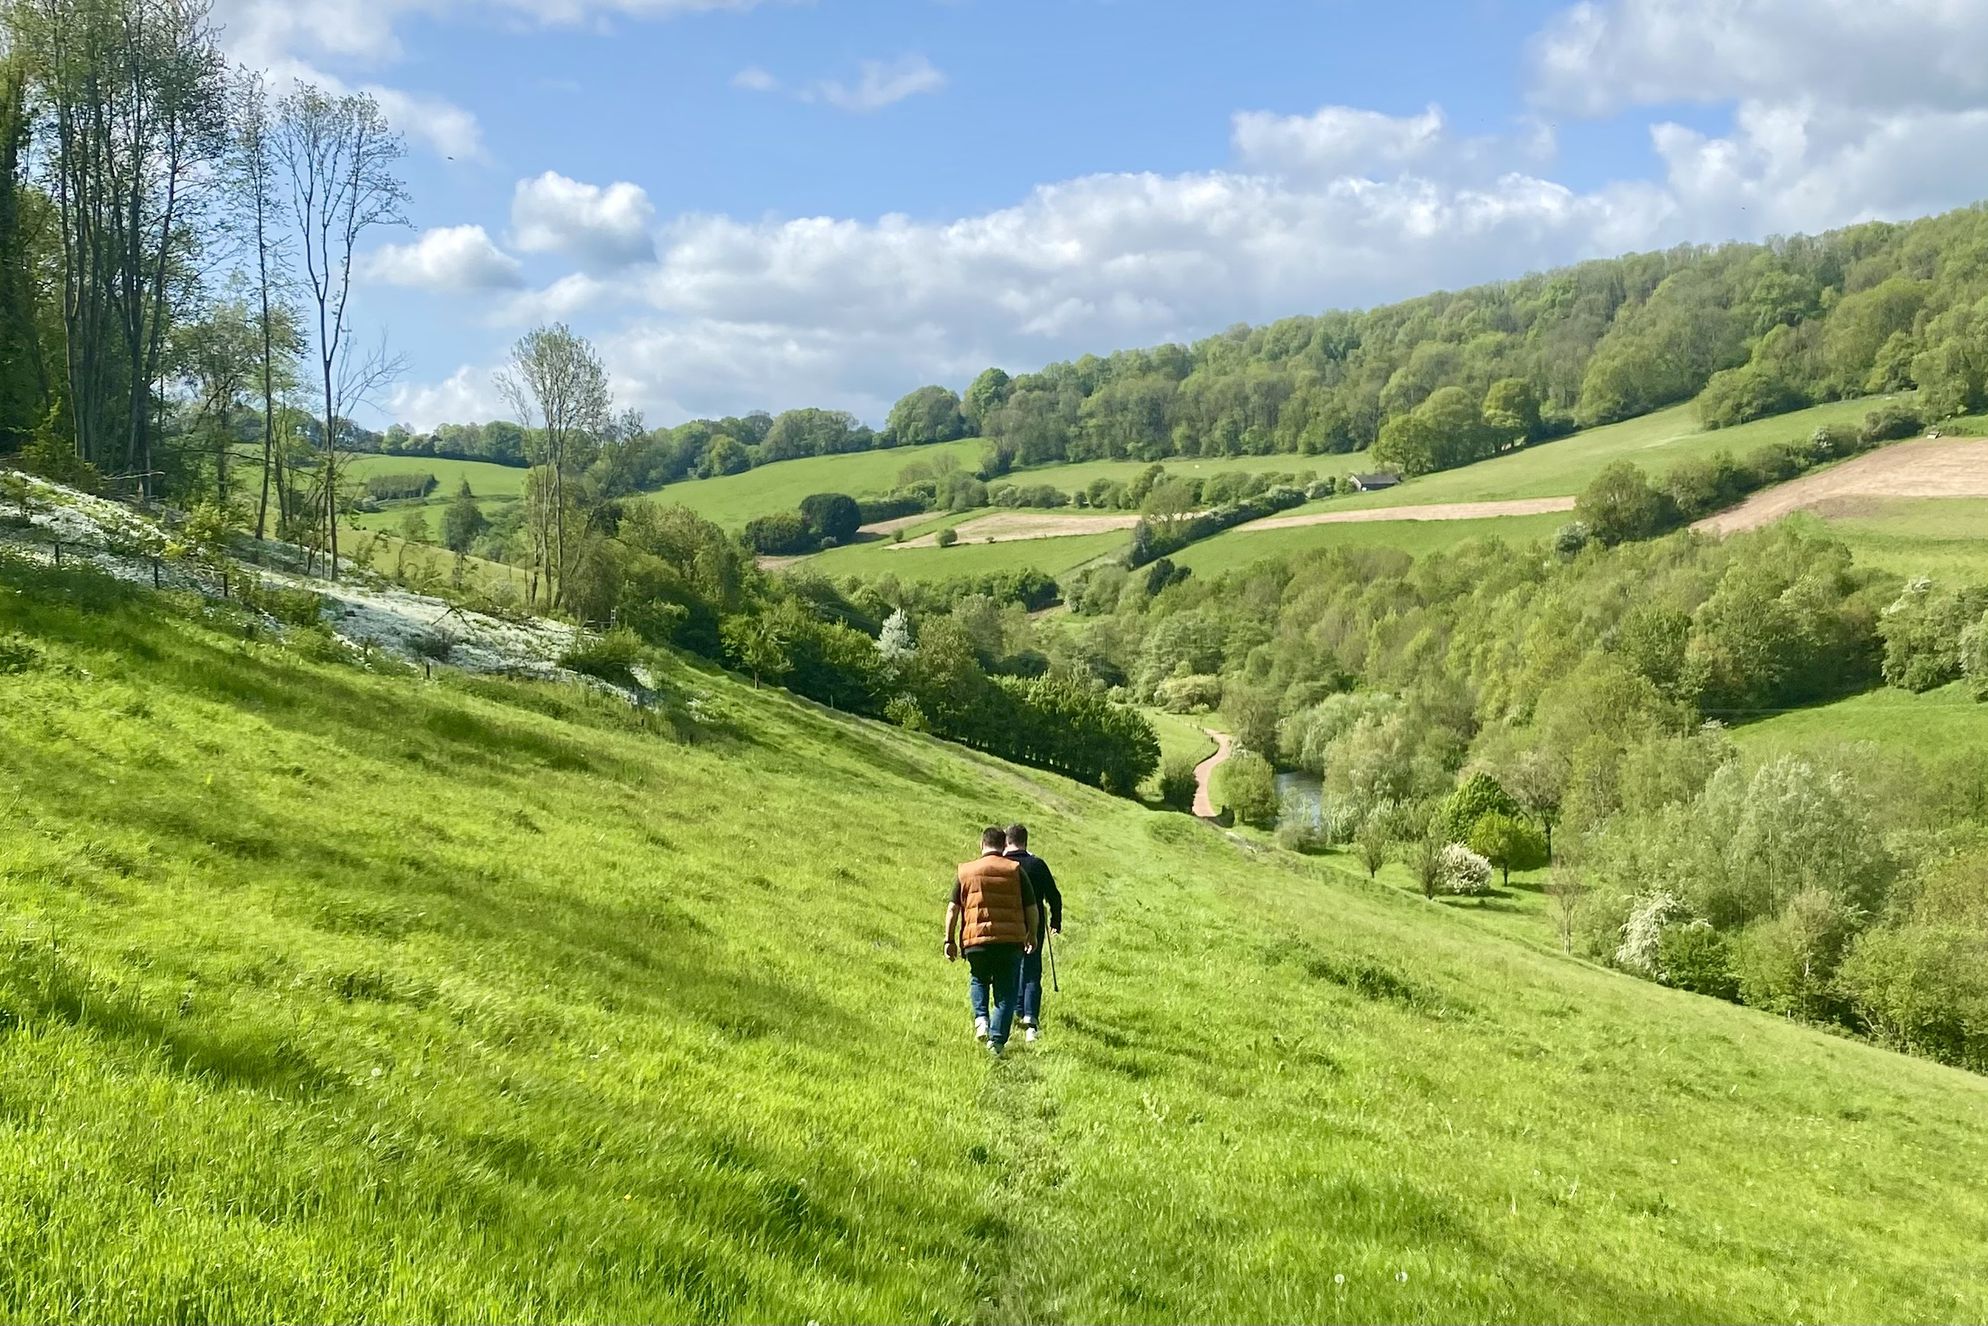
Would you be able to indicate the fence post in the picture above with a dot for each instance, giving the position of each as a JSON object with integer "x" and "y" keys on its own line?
{"x": 58, "y": 554}
{"x": 155, "y": 571}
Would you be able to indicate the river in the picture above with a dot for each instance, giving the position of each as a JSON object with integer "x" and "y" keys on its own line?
{"x": 1301, "y": 795}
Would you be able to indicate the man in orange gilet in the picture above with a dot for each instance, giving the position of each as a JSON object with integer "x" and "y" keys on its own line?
{"x": 993, "y": 920}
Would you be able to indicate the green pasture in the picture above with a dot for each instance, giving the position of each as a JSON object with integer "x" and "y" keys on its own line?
{"x": 1562, "y": 467}
{"x": 1236, "y": 548}
{"x": 1942, "y": 537}
{"x": 733, "y": 499}
{"x": 485, "y": 479}
{"x": 1055, "y": 556}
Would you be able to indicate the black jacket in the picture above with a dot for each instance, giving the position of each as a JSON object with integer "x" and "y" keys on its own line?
{"x": 1036, "y": 870}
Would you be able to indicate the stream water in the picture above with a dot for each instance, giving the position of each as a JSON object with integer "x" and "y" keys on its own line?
{"x": 1302, "y": 796}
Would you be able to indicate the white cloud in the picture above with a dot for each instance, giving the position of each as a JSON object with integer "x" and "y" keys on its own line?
{"x": 600, "y": 228}
{"x": 580, "y": 11}
{"x": 468, "y": 395}
{"x": 446, "y": 128}
{"x": 1598, "y": 58}
{"x": 450, "y": 259}
{"x": 297, "y": 38}
{"x": 562, "y": 301}
{"x": 880, "y": 83}
{"x": 1341, "y": 207}
{"x": 432, "y": 122}
{"x": 1335, "y": 140}
{"x": 1843, "y": 110}
{"x": 264, "y": 31}
{"x": 754, "y": 79}
{"x": 1797, "y": 166}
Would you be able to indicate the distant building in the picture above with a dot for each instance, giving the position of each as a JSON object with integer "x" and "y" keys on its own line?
{"x": 1373, "y": 483}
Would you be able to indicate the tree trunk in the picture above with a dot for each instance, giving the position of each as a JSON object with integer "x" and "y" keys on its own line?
{"x": 268, "y": 388}
{"x": 221, "y": 459}
{"x": 330, "y": 475}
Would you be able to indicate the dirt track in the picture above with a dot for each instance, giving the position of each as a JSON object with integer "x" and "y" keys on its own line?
{"x": 1204, "y": 775}
{"x": 1523, "y": 506}
{"x": 1012, "y": 526}
{"x": 1929, "y": 467}
{"x": 891, "y": 526}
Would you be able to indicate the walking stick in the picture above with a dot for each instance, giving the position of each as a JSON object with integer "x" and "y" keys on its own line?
{"x": 1050, "y": 949}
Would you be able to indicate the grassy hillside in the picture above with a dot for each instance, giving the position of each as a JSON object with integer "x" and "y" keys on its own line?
{"x": 1181, "y": 737}
{"x": 1057, "y": 556}
{"x": 733, "y": 499}
{"x": 1241, "y": 546}
{"x": 1655, "y": 441}
{"x": 493, "y": 485}
{"x": 485, "y": 479}
{"x": 412, "y": 561}
{"x": 327, "y": 994}
{"x": 1945, "y": 537}
{"x": 1936, "y": 722}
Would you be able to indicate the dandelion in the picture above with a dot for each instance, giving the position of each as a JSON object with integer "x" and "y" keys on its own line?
{"x": 1401, "y": 1277}
{"x": 1340, "y": 1278}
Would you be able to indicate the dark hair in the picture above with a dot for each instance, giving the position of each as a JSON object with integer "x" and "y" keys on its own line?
{"x": 993, "y": 840}
{"x": 1018, "y": 835}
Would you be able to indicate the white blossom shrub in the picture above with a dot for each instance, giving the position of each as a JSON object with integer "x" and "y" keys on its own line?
{"x": 1643, "y": 932}
{"x": 1464, "y": 871}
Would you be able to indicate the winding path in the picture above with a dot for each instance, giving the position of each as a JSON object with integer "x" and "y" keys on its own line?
{"x": 1204, "y": 773}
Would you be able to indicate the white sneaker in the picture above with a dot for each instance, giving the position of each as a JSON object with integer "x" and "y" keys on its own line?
{"x": 994, "y": 1049}
{"x": 1028, "y": 1024}
{"x": 980, "y": 1029}
{"x": 1029, "y": 1035}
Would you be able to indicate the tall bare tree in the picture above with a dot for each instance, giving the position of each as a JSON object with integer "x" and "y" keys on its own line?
{"x": 558, "y": 386}
{"x": 252, "y": 179}
{"x": 342, "y": 158}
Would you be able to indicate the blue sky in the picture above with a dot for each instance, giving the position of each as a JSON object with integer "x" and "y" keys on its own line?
{"x": 764, "y": 203}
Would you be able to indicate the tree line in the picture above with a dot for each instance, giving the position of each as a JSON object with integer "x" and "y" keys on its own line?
{"x": 176, "y": 263}
{"x": 1449, "y": 378}
{"x": 958, "y": 660}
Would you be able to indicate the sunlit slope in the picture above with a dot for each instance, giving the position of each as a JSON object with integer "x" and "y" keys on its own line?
{"x": 335, "y": 995}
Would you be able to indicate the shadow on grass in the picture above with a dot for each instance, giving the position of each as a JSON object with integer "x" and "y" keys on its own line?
{"x": 39, "y": 983}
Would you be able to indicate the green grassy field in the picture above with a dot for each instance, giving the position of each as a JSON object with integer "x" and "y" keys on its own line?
{"x": 1943, "y": 537}
{"x": 1057, "y": 556}
{"x": 390, "y": 555}
{"x": 733, "y": 499}
{"x": 1181, "y": 735}
{"x": 334, "y": 995}
{"x": 1934, "y": 723}
{"x": 485, "y": 479}
{"x": 736, "y": 498}
{"x": 1563, "y": 467}
{"x": 493, "y": 485}
{"x": 1236, "y": 548}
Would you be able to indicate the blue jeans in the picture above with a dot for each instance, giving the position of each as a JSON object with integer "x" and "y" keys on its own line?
{"x": 996, "y": 968}
{"x": 1031, "y": 1011}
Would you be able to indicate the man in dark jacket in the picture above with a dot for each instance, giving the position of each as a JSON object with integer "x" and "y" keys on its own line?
{"x": 992, "y": 919}
{"x": 1049, "y": 918}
